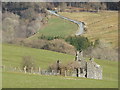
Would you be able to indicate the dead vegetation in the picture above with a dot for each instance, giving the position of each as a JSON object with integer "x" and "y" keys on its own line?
{"x": 102, "y": 51}
{"x": 57, "y": 45}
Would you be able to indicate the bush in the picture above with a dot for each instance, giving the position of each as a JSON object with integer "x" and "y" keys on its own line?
{"x": 79, "y": 42}
{"x": 57, "y": 45}
{"x": 60, "y": 45}
{"x": 49, "y": 37}
{"x": 101, "y": 50}
{"x": 97, "y": 42}
{"x": 28, "y": 62}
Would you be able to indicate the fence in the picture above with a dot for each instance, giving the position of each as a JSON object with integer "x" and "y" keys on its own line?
{"x": 106, "y": 76}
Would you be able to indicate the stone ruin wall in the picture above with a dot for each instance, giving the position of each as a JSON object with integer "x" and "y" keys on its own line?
{"x": 94, "y": 70}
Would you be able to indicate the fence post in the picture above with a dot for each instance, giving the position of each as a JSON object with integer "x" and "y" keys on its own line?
{"x": 52, "y": 72}
{"x": 39, "y": 70}
{"x": 25, "y": 69}
{"x": 31, "y": 69}
{"x": 15, "y": 69}
{"x": 65, "y": 73}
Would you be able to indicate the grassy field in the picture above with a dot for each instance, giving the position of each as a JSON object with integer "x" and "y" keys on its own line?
{"x": 12, "y": 56}
{"x": 57, "y": 27}
{"x": 102, "y": 25}
{"x": 37, "y": 81}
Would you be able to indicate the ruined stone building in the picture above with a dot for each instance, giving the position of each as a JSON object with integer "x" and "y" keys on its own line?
{"x": 79, "y": 68}
{"x": 88, "y": 69}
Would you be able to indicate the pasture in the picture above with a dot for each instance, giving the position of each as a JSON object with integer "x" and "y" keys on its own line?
{"x": 21, "y": 80}
{"x": 12, "y": 56}
{"x": 57, "y": 27}
{"x": 102, "y": 25}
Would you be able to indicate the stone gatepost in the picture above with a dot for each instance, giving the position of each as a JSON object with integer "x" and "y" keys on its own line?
{"x": 65, "y": 73}
{"x": 25, "y": 69}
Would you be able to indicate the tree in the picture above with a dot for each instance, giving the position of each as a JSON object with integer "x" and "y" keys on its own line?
{"x": 63, "y": 6}
{"x": 79, "y": 42}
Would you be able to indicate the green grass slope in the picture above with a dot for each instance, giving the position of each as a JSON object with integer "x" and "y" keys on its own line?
{"x": 12, "y": 56}
{"x": 21, "y": 80}
{"x": 57, "y": 27}
{"x": 102, "y": 25}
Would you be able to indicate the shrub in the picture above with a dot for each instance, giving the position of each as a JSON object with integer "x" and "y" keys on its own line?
{"x": 102, "y": 50}
{"x": 57, "y": 45}
{"x": 60, "y": 45}
{"x": 28, "y": 62}
{"x": 49, "y": 37}
{"x": 97, "y": 42}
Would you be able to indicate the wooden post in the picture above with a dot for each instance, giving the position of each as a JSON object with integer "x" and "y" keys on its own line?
{"x": 39, "y": 70}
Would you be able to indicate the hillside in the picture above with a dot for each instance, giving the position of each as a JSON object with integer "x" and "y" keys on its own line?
{"x": 40, "y": 50}
{"x": 12, "y": 56}
{"x": 102, "y": 25}
{"x": 57, "y": 27}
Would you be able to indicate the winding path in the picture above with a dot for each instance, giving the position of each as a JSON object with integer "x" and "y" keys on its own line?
{"x": 80, "y": 24}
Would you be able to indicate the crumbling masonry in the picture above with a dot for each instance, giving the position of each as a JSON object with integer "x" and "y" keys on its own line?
{"x": 80, "y": 68}
{"x": 88, "y": 69}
